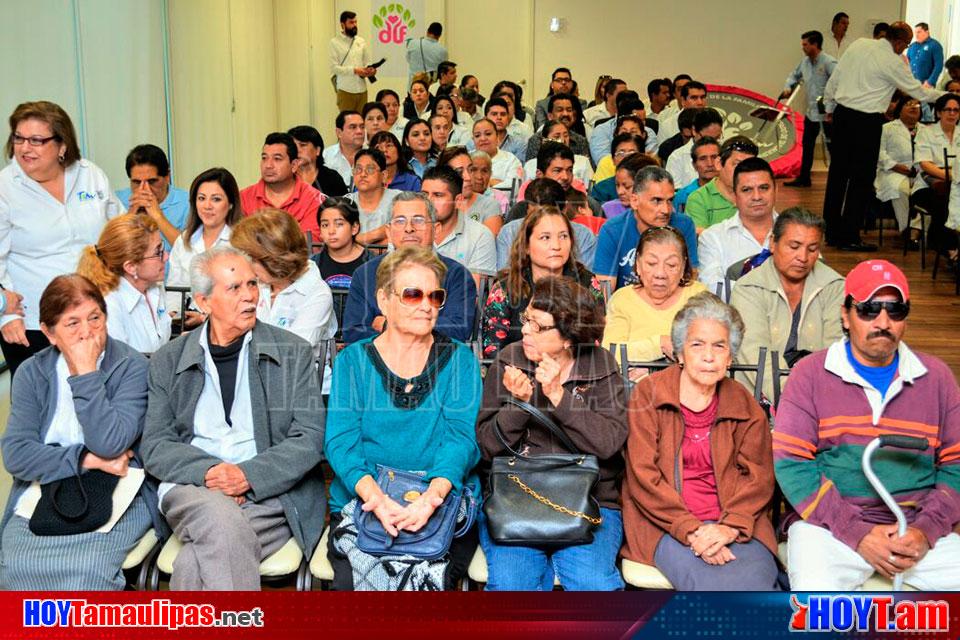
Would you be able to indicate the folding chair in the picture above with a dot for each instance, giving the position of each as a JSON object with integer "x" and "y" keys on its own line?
{"x": 314, "y": 247}
{"x": 339, "y": 304}
{"x": 142, "y": 556}
{"x": 940, "y": 252}
{"x": 377, "y": 249}
{"x": 320, "y": 567}
{"x": 483, "y": 289}
{"x": 184, "y": 292}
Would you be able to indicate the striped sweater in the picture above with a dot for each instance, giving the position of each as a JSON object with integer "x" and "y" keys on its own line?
{"x": 828, "y": 414}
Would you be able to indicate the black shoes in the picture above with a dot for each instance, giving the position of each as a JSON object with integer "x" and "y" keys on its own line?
{"x": 858, "y": 247}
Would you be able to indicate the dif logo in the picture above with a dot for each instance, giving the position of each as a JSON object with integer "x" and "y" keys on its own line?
{"x": 868, "y": 613}
{"x": 393, "y": 22}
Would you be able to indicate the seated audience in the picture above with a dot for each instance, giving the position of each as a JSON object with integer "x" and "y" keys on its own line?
{"x": 412, "y": 223}
{"x": 895, "y": 164}
{"x": 237, "y": 480}
{"x": 150, "y": 191}
{"x": 628, "y": 104}
{"x": 505, "y": 168}
{"x": 311, "y": 168}
{"x": 693, "y": 95}
{"x": 745, "y": 234}
{"x": 932, "y": 184}
{"x": 341, "y": 253}
{"x": 516, "y": 124}
{"x": 705, "y": 154}
{"x": 476, "y": 206}
{"x": 127, "y": 265}
{"x": 418, "y": 146}
{"x": 555, "y": 161}
{"x": 715, "y": 201}
{"x": 605, "y": 108}
{"x": 631, "y": 125}
{"x": 608, "y": 190}
{"x": 561, "y": 82}
{"x": 699, "y": 475}
{"x": 790, "y": 303}
{"x": 293, "y": 295}
{"x": 439, "y": 133}
{"x": 556, "y": 131}
{"x": 544, "y": 247}
{"x": 398, "y": 175}
{"x": 77, "y": 405}
{"x": 560, "y": 367}
{"x": 674, "y": 142}
{"x": 457, "y": 236}
{"x": 706, "y": 123}
{"x": 459, "y": 134}
{"x": 373, "y": 200}
{"x": 418, "y": 102}
{"x": 544, "y": 192}
{"x": 214, "y": 211}
{"x": 279, "y": 186}
{"x": 407, "y": 399}
{"x": 374, "y": 117}
{"x": 650, "y": 203}
{"x": 391, "y": 102}
{"x": 565, "y": 108}
{"x": 482, "y": 174}
{"x": 350, "y": 136}
{"x": 870, "y": 379}
{"x": 640, "y": 315}
{"x": 577, "y": 208}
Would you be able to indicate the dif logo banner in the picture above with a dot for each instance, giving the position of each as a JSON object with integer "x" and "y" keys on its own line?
{"x": 868, "y": 613}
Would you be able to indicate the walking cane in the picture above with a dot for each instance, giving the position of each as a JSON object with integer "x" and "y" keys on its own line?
{"x": 901, "y": 442}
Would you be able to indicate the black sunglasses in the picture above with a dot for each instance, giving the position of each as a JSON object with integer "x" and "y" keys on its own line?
{"x": 871, "y": 309}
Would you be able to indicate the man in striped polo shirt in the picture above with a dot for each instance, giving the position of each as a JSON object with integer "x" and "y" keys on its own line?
{"x": 838, "y": 400}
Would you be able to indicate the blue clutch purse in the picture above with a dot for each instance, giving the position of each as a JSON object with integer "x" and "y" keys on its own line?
{"x": 433, "y": 540}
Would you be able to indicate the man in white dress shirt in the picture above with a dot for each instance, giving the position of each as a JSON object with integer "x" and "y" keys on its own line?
{"x": 693, "y": 95}
{"x": 340, "y": 156}
{"x": 837, "y": 42}
{"x": 350, "y": 64}
{"x": 608, "y": 108}
{"x": 745, "y": 234}
{"x": 856, "y": 98}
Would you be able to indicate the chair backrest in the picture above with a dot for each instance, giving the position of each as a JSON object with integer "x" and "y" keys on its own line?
{"x": 514, "y": 191}
{"x": 339, "y": 304}
{"x": 184, "y": 293}
{"x": 606, "y": 286}
{"x": 483, "y": 289}
{"x": 477, "y": 347}
{"x": 377, "y": 249}
{"x": 777, "y": 372}
{"x": 313, "y": 246}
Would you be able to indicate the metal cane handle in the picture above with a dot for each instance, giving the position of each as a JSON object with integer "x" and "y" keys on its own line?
{"x": 904, "y": 442}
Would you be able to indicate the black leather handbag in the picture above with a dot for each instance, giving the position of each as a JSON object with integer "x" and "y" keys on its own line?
{"x": 80, "y": 504}
{"x": 542, "y": 500}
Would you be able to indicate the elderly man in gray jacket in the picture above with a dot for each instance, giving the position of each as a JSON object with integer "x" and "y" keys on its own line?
{"x": 234, "y": 433}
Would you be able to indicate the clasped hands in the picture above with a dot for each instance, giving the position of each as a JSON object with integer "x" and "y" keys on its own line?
{"x": 890, "y": 554}
{"x": 547, "y": 375}
{"x": 411, "y": 518}
{"x": 709, "y": 543}
{"x": 229, "y": 479}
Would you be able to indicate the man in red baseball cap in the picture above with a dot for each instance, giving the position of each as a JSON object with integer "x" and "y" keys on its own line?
{"x": 837, "y": 401}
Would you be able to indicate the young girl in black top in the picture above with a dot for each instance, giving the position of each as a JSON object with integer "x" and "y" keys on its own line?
{"x": 339, "y": 222}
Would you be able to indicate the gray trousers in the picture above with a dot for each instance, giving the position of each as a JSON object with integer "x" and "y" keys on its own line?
{"x": 223, "y": 542}
{"x": 754, "y": 569}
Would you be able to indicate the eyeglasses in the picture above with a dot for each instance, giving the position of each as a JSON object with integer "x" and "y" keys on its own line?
{"x": 157, "y": 254}
{"x": 413, "y": 296}
{"x": 869, "y": 310}
{"x": 369, "y": 169}
{"x": 34, "y": 141}
{"x": 950, "y": 110}
{"x": 535, "y": 326}
{"x": 400, "y": 222}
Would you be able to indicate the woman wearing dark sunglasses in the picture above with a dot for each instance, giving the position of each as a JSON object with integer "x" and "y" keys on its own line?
{"x": 407, "y": 399}
{"x": 127, "y": 265}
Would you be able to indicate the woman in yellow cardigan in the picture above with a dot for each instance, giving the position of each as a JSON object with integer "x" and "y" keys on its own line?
{"x": 640, "y": 315}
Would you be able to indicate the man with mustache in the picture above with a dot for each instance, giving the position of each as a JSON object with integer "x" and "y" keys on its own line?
{"x": 234, "y": 433}
{"x": 865, "y": 385}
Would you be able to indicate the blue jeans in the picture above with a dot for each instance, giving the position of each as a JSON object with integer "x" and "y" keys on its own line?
{"x": 585, "y": 567}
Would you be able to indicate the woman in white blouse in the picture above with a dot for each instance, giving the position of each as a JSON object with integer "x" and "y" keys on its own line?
{"x": 895, "y": 169}
{"x": 214, "y": 210}
{"x": 504, "y": 165}
{"x": 293, "y": 294}
{"x": 52, "y": 204}
{"x": 930, "y": 187}
{"x": 127, "y": 265}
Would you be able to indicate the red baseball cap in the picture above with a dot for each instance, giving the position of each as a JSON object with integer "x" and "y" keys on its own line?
{"x": 868, "y": 277}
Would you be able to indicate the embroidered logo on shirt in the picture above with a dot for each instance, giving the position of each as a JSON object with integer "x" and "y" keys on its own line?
{"x": 83, "y": 196}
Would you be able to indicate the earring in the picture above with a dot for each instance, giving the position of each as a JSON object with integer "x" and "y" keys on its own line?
{"x": 61, "y": 158}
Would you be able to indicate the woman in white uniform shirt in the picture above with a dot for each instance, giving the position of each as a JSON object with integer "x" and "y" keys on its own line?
{"x": 214, "y": 210}
{"x": 127, "y": 265}
{"x": 504, "y": 165}
{"x": 293, "y": 294}
{"x": 930, "y": 186}
{"x": 52, "y": 204}
{"x": 895, "y": 170}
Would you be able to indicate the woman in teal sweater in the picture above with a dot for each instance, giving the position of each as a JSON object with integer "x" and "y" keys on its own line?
{"x": 406, "y": 399}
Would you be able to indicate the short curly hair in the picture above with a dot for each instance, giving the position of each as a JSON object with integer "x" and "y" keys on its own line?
{"x": 575, "y": 311}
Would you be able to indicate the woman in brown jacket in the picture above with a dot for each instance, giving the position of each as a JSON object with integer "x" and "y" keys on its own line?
{"x": 699, "y": 463}
{"x": 558, "y": 368}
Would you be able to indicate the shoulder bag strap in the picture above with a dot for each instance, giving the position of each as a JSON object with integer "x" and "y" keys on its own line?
{"x": 348, "y": 51}
{"x": 543, "y": 420}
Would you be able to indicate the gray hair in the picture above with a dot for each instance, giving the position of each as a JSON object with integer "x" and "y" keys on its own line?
{"x": 706, "y": 306}
{"x": 481, "y": 155}
{"x": 415, "y": 196}
{"x": 801, "y": 216}
{"x": 201, "y": 278}
{"x": 648, "y": 174}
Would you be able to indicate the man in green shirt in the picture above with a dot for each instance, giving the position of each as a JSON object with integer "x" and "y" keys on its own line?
{"x": 714, "y": 202}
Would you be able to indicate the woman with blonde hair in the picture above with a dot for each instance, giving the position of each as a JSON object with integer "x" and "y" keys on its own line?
{"x": 293, "y": 294}
{"x": 127, "y": 265}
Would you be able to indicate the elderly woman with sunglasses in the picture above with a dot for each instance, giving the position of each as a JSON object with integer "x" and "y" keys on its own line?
{"x": 127, "y": 265}
{"x": 558, "y": 368}
{"x": 407, "y": 399}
